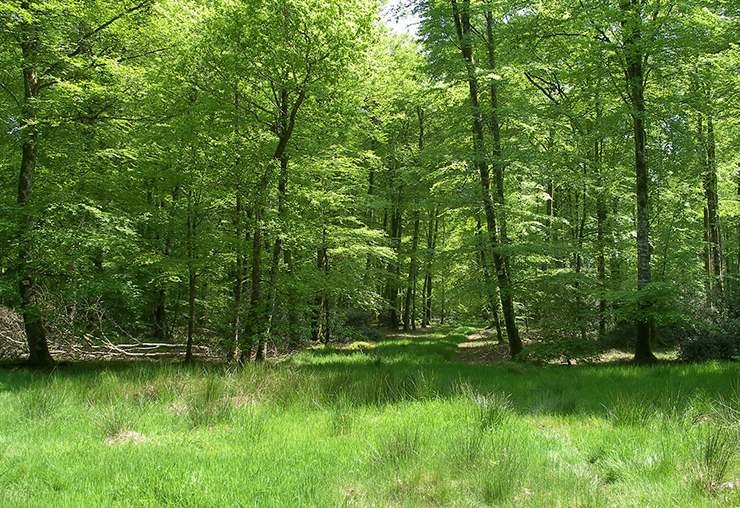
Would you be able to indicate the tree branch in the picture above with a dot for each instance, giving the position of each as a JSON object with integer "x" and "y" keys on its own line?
{"x": 79, "y": 47}
{"x": 14, "y": 96}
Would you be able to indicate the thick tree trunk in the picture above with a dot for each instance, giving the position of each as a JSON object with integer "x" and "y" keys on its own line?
{"x": 634, "y": 55}
{"x": 33, "y": 323}
{"x": 498, "y": 236}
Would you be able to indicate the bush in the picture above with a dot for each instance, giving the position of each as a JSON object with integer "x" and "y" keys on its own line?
{"x": 706, "y": 345}
{"x": 357, "y": 327}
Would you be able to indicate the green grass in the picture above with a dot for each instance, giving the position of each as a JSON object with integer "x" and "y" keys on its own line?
{"x": 393, "y": 424}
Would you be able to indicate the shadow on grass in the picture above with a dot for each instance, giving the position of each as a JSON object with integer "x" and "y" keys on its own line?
{"x": 419, "y": 367}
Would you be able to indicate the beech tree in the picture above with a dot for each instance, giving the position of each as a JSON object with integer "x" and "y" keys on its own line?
{"x": 53, "y": 50}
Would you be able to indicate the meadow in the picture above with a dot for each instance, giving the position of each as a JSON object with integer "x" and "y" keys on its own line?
{"x": 398, "y": 423}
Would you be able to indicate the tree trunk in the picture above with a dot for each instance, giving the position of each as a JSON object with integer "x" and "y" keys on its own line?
{"x": 410, "y": 288}
{"x": 293, "y": 336}
{"x": 239, "y": 282}
{"x": 491, "y": 291}
{"x": 33, "y": 323}
{"x": 318, "y": 331}
{"x": 712, "y": 226}
{"x": 634, "y": 55}
{"x": 431, "y": 245}
{"x": 391, "y": 291}
{"x": 276, "y": 252}
{"x": 192, "y": 277}
{"x": 254, "y": 313}
{"x": 498, "y": 236}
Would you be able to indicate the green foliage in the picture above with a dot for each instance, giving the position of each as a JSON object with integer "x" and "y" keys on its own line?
{"x": 717, "y": 343}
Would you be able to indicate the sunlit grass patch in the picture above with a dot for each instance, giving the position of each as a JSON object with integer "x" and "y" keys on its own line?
{"x": 338, "y": 428}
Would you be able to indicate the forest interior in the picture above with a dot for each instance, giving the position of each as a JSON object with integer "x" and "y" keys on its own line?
{"x": 239, "y": 179}
{"x": 485, "y": 252}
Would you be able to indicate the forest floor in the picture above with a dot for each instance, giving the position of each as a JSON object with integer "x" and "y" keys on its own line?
{"x": 403, "y": 422}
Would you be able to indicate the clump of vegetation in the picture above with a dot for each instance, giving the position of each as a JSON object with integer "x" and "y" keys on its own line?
{"x": 715, "y": 453}
{"x": 721, "y": 343}
{"x": 358, "y": 327}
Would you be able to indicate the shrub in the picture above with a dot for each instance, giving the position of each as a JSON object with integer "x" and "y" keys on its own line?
{"x": 357, "y": 327}
{"x": 706, "y": 345}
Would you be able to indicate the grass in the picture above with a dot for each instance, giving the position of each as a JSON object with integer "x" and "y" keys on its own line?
{"x": 394, "y": 424}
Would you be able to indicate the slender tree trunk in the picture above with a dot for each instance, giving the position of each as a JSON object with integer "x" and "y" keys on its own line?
{"x": 578, "y": 260}
{"x": 318, "y": 331}
{"x": 252, "y": 324}
{"x": 276, "y": 253}
{"x": 427, "y": 290}
{"x": 239, "y": 282}
{"x": 601, "y": 260}
{"x": 498, "y": 236}
{"x": 234, "y": 352}
{"x": 260, "y": 306}
{"x": 293, "y": 336}
{"x": 491, "y": 291}
{"x": 634, "y": 55}
{"x": 192, "y": 277}
{"x": 391, "y": 291}
{"x": 711, "y": 220}
{"x": 736, "y": 299}
{"x": 410, "y": 289}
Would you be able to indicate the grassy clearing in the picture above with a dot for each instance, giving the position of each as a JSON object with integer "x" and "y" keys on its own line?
{"x": 392, "y": 424}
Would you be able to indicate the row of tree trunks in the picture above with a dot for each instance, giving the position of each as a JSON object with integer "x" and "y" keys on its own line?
{"x": 713, "y": 263}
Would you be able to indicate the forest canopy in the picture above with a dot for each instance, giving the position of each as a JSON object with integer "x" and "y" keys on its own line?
{"x": 250, "y": 174}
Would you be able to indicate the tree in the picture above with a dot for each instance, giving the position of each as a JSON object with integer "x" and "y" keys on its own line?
{"x": 55, "y": 46}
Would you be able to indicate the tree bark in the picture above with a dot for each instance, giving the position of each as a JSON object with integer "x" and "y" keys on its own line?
{"x": 318, "y": 331}
{"x": 239, "y": 282}
{"x": 634, "y": 56}
{"x": 260, "y": 304}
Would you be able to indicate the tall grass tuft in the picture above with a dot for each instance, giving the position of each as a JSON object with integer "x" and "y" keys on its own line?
{"x": 714, "y": 456}
{"x": 207, "y": 404}
{"x": 398, "y": 448}
{"x": 500, "y": 479}
{"x": 42, "y": 402}
{"x": 493, "y": 410}
{"x": 553, "y": 403}
{"x": 627, "y": 411}
{"x": 114, "y": 421}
